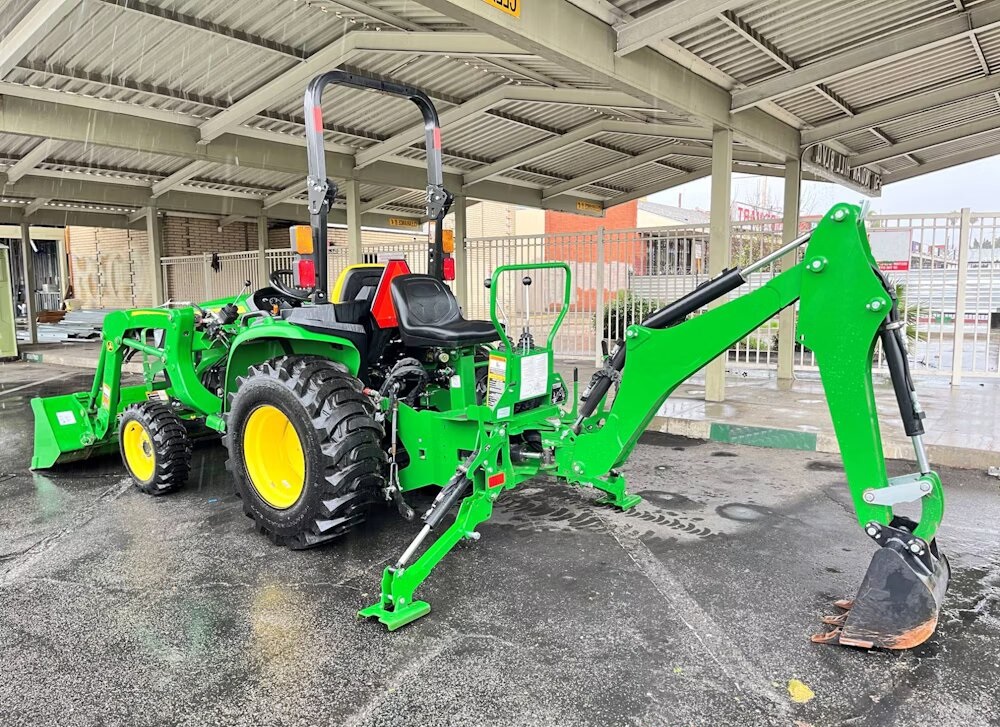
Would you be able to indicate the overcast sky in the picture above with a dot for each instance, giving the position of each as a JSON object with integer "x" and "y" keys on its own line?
{"x": 975, "y": 185}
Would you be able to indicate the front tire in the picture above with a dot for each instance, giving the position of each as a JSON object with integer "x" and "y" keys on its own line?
{"x": 305, "y": 450}
{"x": 155, "y": 447}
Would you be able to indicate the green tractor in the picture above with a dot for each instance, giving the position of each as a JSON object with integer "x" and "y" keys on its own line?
{"x": 331, "y": 406}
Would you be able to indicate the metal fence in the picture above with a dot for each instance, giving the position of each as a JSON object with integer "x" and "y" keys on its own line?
{"x": 948, "y": 282}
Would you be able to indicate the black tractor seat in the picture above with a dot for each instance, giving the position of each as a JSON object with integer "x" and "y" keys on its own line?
{"x": 428, "y": 315}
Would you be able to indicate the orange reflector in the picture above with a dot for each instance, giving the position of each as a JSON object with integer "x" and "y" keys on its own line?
{"x": 448, "y": 241}
{"x": 302, "y": 239}
{"x": 449, "y": 268}
{"x": 496, "y": 480}
{"x": 305, "y": 273}
{"x": 383, "y": 311}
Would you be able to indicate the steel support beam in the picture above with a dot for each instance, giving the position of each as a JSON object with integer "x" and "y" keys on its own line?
{"x": 866, "y": 55}
{"x": 154, "y": 238}
{"x": 583, "y": 133}
{"x": 671, "y": 19}
{"x": 562, "y": 33}
{"x": 35, "y": 205}
{"x": 901, "y": 108}
{"x": 32, "y": 159}
{"x": 30, "y": 31}
{"x": 282, "y": 194}
{"x": 189, "y": 170}
{"x": 230, "y": 219}
{"x": 486, "y": 101}
{"x": 28, "y": 271}
{"x": 342, "y": 51}
{"x": 926, "y": 141}
{"x": 789, "y": 231}
{"x": 383, "y": 199}
{"x": 610, "y": 170}
{"x": 719, "y": 252}
{"x": 937, "y": 165}
{"x": 352, "y": 191}
{"x": 69, "y": 123}
{"x": 657, "y": 187}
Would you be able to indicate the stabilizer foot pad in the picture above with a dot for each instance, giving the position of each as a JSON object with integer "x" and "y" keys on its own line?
{"x": 626, "y": 502}
{"x": 396, "y": 618}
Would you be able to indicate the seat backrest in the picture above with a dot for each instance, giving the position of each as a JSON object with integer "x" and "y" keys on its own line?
{"x": 423, "y": 300}
{"x": 355, "y": 278}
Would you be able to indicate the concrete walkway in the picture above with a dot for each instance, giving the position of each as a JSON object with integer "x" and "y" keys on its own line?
{"x": 963, "y": 429}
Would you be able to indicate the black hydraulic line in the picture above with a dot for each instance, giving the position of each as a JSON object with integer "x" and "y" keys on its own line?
{"x": 667, "y": 316}
{"x": 894, "y": 349}
{"x": 322, "y": 191}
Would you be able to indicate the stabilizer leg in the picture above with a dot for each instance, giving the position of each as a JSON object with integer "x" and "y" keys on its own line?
{"x": 617, "y": 496}
{"x": 397, "y": 607}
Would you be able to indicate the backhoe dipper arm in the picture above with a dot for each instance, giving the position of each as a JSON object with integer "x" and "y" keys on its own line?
{"x": 322, "y": 191}
{"x": 844, "y": 308}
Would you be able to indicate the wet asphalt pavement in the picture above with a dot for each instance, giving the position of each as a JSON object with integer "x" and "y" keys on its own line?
{"x": 117, "y": 608}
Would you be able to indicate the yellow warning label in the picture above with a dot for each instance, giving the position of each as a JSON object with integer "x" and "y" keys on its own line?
{"x": 511, "y": 7}
{"x": 584, "y": 205}
{"x": 496, "y": 380}
{"x": 407, "y": 222}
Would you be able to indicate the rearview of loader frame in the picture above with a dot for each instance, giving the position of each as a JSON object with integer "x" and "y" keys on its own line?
{"x": 331, "y": 405}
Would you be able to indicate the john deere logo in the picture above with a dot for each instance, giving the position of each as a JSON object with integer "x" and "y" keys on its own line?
{"x": 407, "y": 222}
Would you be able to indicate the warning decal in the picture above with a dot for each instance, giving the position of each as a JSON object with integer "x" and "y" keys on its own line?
{"x": 534, "y": 376}
{"x": 496, "y": 380}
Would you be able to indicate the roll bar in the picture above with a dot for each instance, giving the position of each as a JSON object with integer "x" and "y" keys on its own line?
{"x": 322, "y": 190}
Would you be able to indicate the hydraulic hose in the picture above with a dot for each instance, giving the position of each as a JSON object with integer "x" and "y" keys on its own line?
{"x": 667, "y": 316}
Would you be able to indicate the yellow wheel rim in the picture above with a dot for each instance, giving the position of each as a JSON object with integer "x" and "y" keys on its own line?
{"x": 138, "y": 450}
{"x": 272, "y": 453}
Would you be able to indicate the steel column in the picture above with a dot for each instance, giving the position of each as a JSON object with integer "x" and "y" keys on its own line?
{"x": 459, "y": 207}
{"x": 789, "y": 231}
{"x": 599, "y": 298}
{"x": 963, "y": 275}
{"x": 719, "y": 253}
{"x": 28, "y": 271}
{"x": 352, "y": 190}
{"x": 154, "y": 238}
{"x": 261, "y": 251}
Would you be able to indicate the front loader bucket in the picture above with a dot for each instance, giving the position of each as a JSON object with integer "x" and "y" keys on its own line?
{"x": 899, "y": 600}
{"x": 64, "y": 431}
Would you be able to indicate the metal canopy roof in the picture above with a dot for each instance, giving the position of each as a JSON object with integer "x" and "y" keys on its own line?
{"x": 110, "y": 106}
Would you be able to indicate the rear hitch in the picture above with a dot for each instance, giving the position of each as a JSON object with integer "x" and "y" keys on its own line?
{"x": 899, "y": 600}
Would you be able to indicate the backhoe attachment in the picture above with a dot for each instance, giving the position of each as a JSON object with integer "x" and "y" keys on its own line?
{"x": 846, "y": 307}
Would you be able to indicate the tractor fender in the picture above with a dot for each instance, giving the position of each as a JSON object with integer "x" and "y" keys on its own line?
{"x": 270, "y": 339}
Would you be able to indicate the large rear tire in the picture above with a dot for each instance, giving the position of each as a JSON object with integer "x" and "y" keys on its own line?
{"x": 305, "y": 450}
{"x": 155, "y": 447}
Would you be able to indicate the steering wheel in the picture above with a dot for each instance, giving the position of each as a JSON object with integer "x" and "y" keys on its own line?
{"x": 299, "y": 294}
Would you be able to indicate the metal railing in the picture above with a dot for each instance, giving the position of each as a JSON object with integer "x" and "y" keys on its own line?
{"x": 948, "y": 283}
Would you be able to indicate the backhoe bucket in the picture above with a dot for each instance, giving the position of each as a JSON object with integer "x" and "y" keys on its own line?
{"x": 900, "y": 597}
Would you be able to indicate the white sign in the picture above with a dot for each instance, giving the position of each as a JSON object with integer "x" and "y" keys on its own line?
{"x": 891, "y": 248}
{"x": 534, "y": 376}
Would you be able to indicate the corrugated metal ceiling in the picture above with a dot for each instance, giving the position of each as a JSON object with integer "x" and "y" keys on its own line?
{"x": 191, "y": 59}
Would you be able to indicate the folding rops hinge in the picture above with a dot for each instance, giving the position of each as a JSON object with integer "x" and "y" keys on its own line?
{"x": 439, "y": 201}
{"x": 907, "y": 488}
{"x": 320, "y": 191}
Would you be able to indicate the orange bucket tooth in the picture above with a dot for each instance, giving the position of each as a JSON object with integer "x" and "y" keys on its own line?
{"x": 899, "y": 600}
